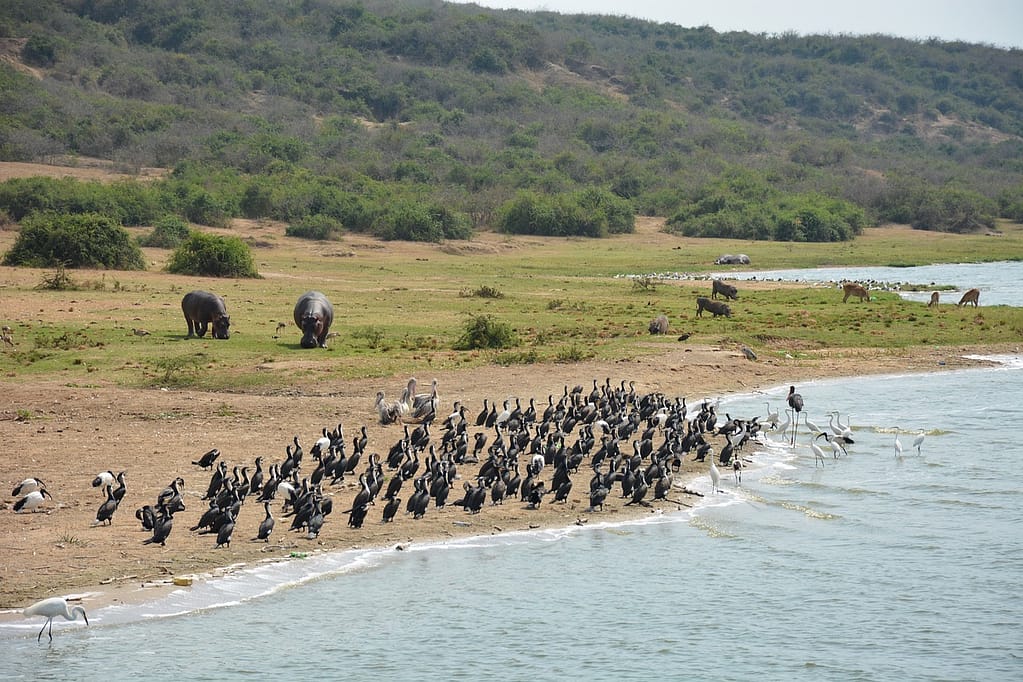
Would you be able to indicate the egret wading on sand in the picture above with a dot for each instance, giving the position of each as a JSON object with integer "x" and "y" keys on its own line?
{"x": 51, "y": 608}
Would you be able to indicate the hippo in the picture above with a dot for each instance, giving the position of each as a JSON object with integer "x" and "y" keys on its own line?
{"x": 730, "y": 259}
{"x": 314, "y": 315}
{"x": 201, "y": 308}
{"x": 716, "y": 307}
{"x": 726, "y": 290}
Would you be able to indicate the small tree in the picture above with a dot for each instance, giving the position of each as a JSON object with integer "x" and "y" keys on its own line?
{"x": 212, "y": 256}
{"x": 87, "y": 240}
{"x": 484, "y": 331}
{"x": 168, "y": 233}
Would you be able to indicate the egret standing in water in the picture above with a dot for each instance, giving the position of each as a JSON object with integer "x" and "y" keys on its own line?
{"x": 715, "y": 476}
{"x": 51, "y": 608}
{"x": 898, "y": 445}
{"x": 918, "y": 441}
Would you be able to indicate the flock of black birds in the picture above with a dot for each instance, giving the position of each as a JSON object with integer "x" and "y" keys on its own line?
{"x": 501, "y": 455}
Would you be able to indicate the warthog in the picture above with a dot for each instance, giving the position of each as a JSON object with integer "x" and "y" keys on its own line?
{"x": 726, "y": 290}
{"x": 659, "y": 325}
{"x": 971, "y": 296}
{"x": 935, "y": 297}
{"x": 716, "y": 307}
{"x": 854, "y": 289}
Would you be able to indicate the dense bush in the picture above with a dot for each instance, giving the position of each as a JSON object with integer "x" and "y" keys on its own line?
{"x": 420, "y": 222}
{"x": 743, "y": 205}
{"x": 951, "y": 208}
{"x": 483, "y": 331}
{"x": 80, "y": 240}
{"x": 316, "y": 227}
{"x": 168, "y": 233}
{"x": 212, "y": 256}
{"x": 588, "y": 213}
{"x": 127, "y": 202}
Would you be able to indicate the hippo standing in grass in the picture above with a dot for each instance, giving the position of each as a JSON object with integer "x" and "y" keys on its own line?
{"x": 202, "y": 309}
{"x": 314, "y": 315}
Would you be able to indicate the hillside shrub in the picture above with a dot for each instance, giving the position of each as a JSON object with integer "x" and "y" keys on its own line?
{"x": 168, "y": 233}
{"x": 316, "y": 227}
{"x": 211, "y": 255}
{"x": 590, "y": 212}
{"x": 84, "y": 240}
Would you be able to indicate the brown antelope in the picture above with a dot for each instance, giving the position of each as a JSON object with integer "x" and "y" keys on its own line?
{"x": 971, "y": 296}
{"x": 854, "y": 289}
{"x": 934, "y": 299}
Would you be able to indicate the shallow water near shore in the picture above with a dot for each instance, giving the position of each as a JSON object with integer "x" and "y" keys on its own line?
{"x": 871, "y": 567}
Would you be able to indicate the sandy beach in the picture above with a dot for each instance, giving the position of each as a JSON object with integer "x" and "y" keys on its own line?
{"x": 66, "y": 436}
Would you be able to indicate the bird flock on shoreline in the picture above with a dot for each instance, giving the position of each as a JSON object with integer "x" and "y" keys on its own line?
{"x": 635, "y": 442}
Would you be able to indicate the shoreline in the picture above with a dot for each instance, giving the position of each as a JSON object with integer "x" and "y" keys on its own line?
{"x": 152, "y": 581}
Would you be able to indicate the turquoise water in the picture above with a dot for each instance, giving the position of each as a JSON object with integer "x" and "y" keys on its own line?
{"x": 871, "y": 567}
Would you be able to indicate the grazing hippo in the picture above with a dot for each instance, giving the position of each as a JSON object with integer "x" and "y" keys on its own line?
{"x": 314, "y": 315}
{"x": 726, "y": 290}
{"x": 201, "y": 309}
{"x": 716, "y": 307}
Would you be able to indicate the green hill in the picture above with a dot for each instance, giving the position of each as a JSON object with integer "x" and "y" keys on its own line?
{"x": 424, "y": 120}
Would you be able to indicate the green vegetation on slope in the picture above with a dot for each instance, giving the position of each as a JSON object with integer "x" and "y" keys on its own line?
{"x": 335, "y": 108}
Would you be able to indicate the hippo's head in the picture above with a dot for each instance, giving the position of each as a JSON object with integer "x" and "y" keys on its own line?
{"x": 310, "y": 331}
{"x": 221, "y": 327}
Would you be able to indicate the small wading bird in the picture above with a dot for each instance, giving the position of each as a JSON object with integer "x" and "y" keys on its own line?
{"x": 51, "y": 608}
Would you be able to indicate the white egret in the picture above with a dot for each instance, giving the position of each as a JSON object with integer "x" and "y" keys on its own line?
{"x": 898, "y": 445}
{"x": 51, "y": 608}
{"x": 715, "y": 476}
{"x": 918, "y": 441}
{"x": 818, "y": 454}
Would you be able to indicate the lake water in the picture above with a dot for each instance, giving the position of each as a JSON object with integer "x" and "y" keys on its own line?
{"x": 999, "y": 283}
{"x": 872, "y": 567}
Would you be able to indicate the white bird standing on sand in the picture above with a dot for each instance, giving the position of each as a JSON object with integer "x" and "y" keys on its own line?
{"x": 51, "y": 608}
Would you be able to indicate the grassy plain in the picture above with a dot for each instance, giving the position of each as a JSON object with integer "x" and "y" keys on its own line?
{"x": 401, "y": 305}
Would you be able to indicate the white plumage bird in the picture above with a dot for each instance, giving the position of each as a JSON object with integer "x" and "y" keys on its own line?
{"x": 51, "y": 608}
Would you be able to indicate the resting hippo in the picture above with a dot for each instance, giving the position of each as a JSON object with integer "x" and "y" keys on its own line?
{"x": 201, "y": 308}
{"x": 314, "y": 315}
